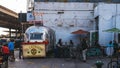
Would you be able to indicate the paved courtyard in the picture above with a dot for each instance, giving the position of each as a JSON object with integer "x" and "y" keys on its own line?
{"x": 57, "y": 62}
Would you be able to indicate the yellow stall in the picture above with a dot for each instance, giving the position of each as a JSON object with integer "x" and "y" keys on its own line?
{"x": 33, "y": 50}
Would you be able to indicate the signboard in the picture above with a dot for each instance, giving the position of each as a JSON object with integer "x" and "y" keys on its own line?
{"x": 114, "y": 1}
{"x": 22, "y": 17}
{"x": 34, "y": 50}
{"x": 43, "y": 7}
{"x": 30, "y": 16}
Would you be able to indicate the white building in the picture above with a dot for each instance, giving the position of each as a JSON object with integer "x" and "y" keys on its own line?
{"x": 107, "y": 16}
{"x": 65, "y": 18}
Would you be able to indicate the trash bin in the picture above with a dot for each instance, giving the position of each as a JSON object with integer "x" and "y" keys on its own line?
{"x": 99, "y": 64}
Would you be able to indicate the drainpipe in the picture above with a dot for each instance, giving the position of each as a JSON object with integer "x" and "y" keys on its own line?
{"x": 115, "y": 34}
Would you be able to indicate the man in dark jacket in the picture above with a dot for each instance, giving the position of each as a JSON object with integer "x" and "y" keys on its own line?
{"x": 84, "y": 48}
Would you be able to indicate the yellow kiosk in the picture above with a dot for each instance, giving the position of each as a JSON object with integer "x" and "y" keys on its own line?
{"x": 33, "y": 50}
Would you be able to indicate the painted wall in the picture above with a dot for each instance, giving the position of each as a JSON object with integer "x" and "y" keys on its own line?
{"x": 108, "y": 14}
{"x": 75, "y": 16}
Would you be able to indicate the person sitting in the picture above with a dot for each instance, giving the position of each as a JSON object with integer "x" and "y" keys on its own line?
{"x": 97, "y": 44}
{"x": 115, "y": 46}
{"x": 109, "y": 49}
{"x": 71, "y": 45}
{"x": 60, "y": 49}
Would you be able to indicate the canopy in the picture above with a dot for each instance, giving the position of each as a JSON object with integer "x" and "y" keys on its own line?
{"x": 12, "y": 31}
{"x": 112, "y": 30}
{"x": 80, "y": 32}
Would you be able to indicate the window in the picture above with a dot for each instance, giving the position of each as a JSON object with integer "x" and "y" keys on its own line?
{"x": 119, "y": 38}
{"x": 36, "y": 36}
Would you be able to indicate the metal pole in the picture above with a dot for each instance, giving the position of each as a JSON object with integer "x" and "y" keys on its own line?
{"x": 22, "y": 30}
{"x": 10, "y": 33}
{"x": 115, "y": 38}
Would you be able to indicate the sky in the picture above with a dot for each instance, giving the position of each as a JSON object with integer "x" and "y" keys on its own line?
{"x": 15, "y": 5}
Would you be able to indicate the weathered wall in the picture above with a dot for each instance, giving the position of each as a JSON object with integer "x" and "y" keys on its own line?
{"x": 108, "y": 18}
{"x": 75, "y": 16}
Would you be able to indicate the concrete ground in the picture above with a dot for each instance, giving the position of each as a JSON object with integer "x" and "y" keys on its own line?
{"x": 57, "y": 62}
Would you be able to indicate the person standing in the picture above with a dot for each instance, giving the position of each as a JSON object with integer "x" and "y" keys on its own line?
{"x": 11, "y": 48}
{"x": 84, "y": 48}
{"x": 20, "y": 48}
{"x": 109, "y": 49}
{"x": 5, "y": 51}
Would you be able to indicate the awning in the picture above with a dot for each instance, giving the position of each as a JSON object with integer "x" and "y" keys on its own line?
{"x": 115, "y": 30}
{"x": 80, "y": 32}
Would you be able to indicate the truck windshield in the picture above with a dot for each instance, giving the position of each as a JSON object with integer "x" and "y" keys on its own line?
{"x": 36, "y": 36}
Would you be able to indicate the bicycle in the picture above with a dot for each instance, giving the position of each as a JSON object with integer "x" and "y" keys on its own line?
{"x": 113, "y": 64}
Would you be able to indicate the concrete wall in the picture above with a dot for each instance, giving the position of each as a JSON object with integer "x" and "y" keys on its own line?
{"x": 108, "y": 14}
{"x": 76, "y": 16}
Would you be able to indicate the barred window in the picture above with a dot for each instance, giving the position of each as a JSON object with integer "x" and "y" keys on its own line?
{"x": 36, "y": 36}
